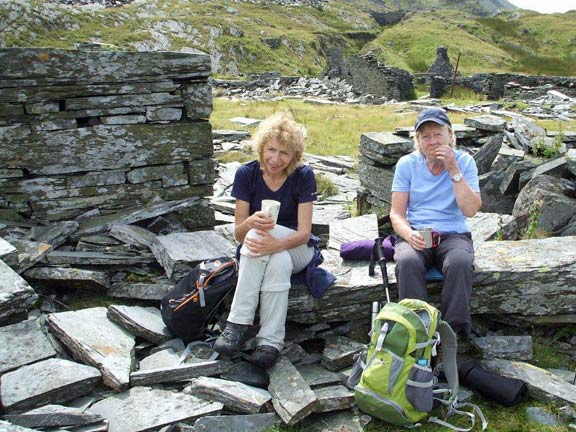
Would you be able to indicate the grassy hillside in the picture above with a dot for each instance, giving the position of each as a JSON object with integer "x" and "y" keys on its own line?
{"x": 534, "y": 44}
{"x": 243, "y": 37}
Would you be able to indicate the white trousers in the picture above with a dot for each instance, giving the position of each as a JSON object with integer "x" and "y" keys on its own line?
{"x": 267, "y": 280}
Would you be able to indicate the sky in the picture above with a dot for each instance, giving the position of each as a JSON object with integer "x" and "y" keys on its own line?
{"x": 546, "y": 6}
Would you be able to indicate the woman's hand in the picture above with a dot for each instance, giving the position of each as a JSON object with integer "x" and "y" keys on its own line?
{"x": 262, "y": 245}
{"x": 445, "y": 153}
{"x": 261, "y": 221}
{"x": 416, "y": 240}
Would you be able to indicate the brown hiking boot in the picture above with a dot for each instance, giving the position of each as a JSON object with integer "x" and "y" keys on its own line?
{"x": 264, "y": 356}
{"x": 231, "y": 339}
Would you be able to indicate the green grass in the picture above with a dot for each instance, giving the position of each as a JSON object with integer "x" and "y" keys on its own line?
{"x": 332, "y": 130}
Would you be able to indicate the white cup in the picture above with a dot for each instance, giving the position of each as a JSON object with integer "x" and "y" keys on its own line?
{"x": 426, "y": 233}
{"x": 271, "y": 208}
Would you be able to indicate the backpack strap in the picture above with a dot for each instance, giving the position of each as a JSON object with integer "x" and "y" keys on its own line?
{"x": 449, "y": 347}
{"x": 449, "y": 350}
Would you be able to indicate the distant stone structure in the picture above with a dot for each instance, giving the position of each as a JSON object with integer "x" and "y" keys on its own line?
{"x": 498, "y": 85}
{"x": 103, "y": 131}
{"x": 388, "y": 18}
{"x": 368, "y": 76}
{"x": 442, "y": 66}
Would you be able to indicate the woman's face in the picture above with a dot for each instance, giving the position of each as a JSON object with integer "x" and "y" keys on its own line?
{"x": 430, "y": 137}
{"x": 276, "y": 157}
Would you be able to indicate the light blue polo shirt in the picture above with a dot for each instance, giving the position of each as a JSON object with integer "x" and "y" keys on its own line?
{"x": 432, "y": 202}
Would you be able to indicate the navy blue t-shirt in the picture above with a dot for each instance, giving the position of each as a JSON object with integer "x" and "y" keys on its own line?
{"x": 299, "y": 187}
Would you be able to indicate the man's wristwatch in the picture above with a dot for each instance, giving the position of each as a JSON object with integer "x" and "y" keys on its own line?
{"x": 457, "y": 177}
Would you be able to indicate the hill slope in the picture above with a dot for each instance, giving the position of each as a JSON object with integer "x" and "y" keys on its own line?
{"x": 250, "y": 36}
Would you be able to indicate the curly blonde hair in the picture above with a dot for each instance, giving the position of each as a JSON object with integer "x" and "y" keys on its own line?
{"x": 282, "y": 127}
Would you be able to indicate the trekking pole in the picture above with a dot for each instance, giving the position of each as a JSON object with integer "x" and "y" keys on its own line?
{"x": 382, "y": 263}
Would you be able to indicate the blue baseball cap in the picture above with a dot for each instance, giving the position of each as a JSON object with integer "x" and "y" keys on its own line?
{"x": 435, "y": 115}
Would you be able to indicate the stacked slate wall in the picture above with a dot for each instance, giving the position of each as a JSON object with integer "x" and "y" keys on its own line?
{"x": 102, "y": 131}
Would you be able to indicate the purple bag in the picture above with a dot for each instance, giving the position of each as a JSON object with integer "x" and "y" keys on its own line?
{"x": 362, "y": 250}
{"x": 357, "y": 250}
{"x": 388, "y": 247}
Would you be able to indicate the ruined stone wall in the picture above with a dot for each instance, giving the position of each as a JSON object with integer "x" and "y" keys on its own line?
{"x": 103, "y": 131}
{"x": 498, "y": 85}
{"x": 368, "y": 76}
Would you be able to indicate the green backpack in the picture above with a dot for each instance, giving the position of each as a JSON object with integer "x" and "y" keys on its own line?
{"x": 397, "y": 383}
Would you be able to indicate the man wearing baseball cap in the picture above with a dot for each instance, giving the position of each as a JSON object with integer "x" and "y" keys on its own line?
{"x": 436, "y": 186}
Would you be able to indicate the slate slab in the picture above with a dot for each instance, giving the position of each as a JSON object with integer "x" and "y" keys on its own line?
{"x": 144, "y": 409}
{"x": 70, "y": 277}
{"x": 23, "y": 343}
{"x": 185, "y": 250}
{"x": 334, "y": 398}
{"x": 38, "y": 384}
{"x": 236, "y": 396}
{"x": 16, "y": 295}
{"x": 339, "y": 352}
{"x": 233, "y": 423}
{"x": 52, "y": 416}
{"x": 542, "y": 385}
{"x": 102, "y": 223}
{"x": 178, "y": 372}
{"x": 316, "y": 376}
{"x": 145, "y": 322}
{"x": 502, "y": 269}
{"x": 292, "y": 397}
{"x": 95, "y": 340}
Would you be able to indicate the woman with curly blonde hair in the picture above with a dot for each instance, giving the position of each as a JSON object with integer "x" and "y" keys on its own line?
{"x": 271, "y": 252}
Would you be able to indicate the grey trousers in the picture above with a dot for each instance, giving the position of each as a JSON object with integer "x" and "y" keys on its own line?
{"x": 455, "y": 257}
{"x": 266, "y": 280}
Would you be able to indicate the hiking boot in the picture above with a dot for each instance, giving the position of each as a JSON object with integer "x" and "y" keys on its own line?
{"x": 264, "y": 356}
{"x": 231, "y": 339}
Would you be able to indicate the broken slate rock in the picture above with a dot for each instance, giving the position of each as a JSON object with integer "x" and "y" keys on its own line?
{"x": 488, "y": 122}
{"x": 55, "y": 234}
{"x": 23, "y": 343}
{"x": 51, "y": 416}
{"x": 185, "y": 250}
{"x": 292, "y": 397}
{"x": 68, "y": 277}
{"x": 144, "y": 409}
{"x": 339, "y": 352}
{"x": 16, "y": 296}
{"x": 145, "y": 322}
{"x": 316, "y": 376}
{"x": 234, "y": 423}
{"x": 179, "y": 372}
{"x": 30, "y": 253}
{"x": 234, "y": 395}
{"x": 542, "y": 385}
{"x": 49, "y": 381}
{"x": 334, "y": 398}
{"x": 95, "y": 340}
